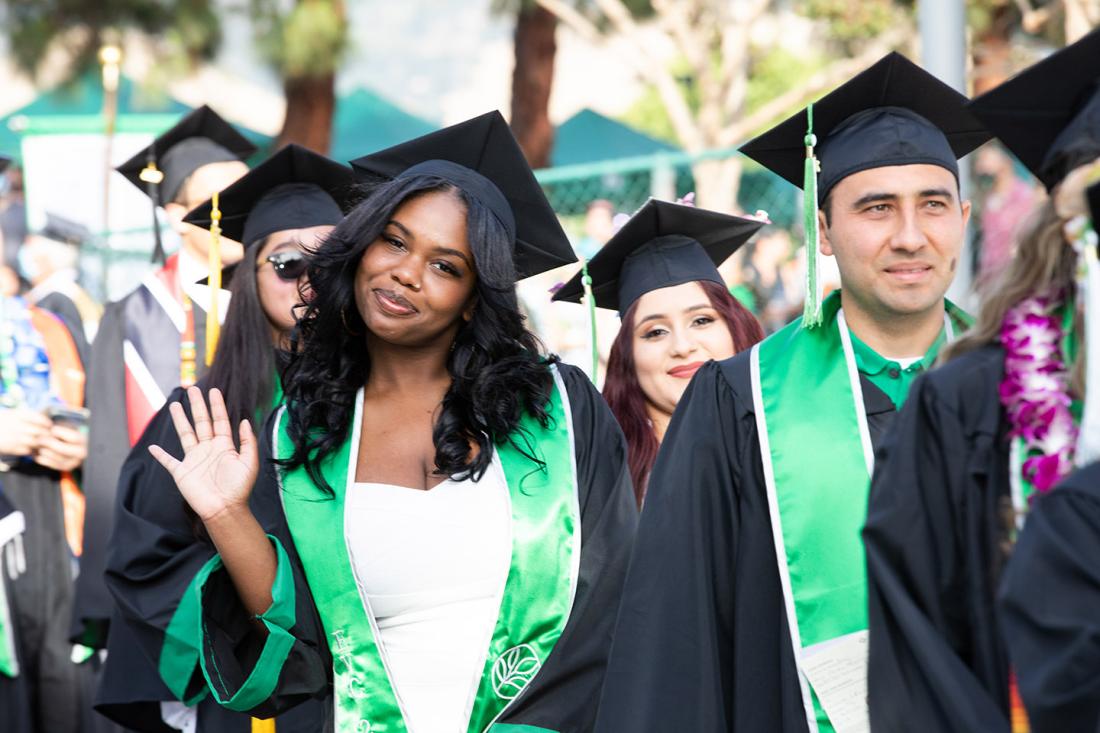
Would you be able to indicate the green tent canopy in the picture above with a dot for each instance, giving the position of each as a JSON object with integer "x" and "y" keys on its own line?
{"x": 365, "y": 122}
{"x": 77, "y": 107}
{"x": 588, "y": 136}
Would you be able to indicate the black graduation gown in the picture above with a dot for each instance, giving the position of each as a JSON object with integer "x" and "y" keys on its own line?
{"x": 15, "y": 700}
{"x": 1050, "y": 607}
{"x": 52, "y": 687}
{"x": 702, "y": 642}
{"x": 935, "y": 537}
{"x": 155, "y": 554}
{"x": 108, "y": 446}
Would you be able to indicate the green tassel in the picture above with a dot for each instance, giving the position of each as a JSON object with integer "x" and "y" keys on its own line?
{"x": 586, "y": 281}
{"x": 811, "y": 313}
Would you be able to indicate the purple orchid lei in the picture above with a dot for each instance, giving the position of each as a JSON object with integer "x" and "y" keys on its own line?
{"x": 1035, "y": 390}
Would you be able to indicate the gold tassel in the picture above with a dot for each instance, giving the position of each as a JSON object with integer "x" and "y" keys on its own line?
{"x": 213, "y": 325}
{"x": 263, "y": 726}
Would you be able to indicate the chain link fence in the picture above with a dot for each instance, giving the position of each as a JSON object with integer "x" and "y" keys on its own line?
{"x": 627, "y": 183}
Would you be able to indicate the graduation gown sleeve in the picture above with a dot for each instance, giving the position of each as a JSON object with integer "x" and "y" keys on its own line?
{"x": 108, "y": 446}
{"x": 565, "y": 693}
{"x": 178, "y": 604}
{"x": 1050, "y": 604}
{"x": 935, "y": 659}
{"x": 672, "y": 659}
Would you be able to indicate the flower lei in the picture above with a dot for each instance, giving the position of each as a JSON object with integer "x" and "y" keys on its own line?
{"x": 1035, "y": 389}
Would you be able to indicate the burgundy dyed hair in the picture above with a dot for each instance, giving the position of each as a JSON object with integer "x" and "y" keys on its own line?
{"x": 624, "y": 394}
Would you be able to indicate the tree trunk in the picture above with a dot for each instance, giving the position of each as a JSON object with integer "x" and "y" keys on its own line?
{"x": 717, "y": 183}
{"x": 310, "y": 105}
{"x": 532, "y": 80}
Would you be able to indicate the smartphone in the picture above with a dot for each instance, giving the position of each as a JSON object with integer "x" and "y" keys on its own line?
{"x": 75, "y": 417}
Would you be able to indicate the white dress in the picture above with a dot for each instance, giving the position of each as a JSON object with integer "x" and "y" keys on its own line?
{"x": 432, "y": 565}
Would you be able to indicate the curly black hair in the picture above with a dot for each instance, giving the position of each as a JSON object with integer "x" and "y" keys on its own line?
{"x": 497, "y": 366}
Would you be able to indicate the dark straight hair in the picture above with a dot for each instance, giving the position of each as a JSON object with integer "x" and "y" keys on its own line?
{"x": 245, "y": 362}
{"x": 624, "y": 394}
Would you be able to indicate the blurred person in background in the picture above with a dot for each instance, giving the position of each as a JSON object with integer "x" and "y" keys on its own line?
{"x": 598, "y": 228}
{"x": 1006, "y": 201}
{"x": 153, "y": 339}
{"x": 13, "y": 214}
{"x": 766, "y": 272}
{"x": 10, "y": 282}
{"x": 660, "y": 273}
{"x": 42, "y": 445}
{"x": 49, "y": 259}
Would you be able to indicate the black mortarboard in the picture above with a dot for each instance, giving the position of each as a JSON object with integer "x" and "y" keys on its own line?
{"x": 200, "y": 138}
{"x": 662, "y": 245}
{"x": 1048, "y": 115}
{"x": 893, "y": 113}
{"x": 60, "y": 229}
{"x": 481, "y": 157}
{"x": 5, "y": 161}
{"x": 293, "y": 189}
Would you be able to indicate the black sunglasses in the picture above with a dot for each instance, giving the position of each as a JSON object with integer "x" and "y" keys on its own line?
{"x": 289, "y": 266}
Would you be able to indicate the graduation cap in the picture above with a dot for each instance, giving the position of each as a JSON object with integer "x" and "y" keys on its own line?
{"x": 893, "y": 113}
{"x": 481, "y": 157}
{"x": 662, "y": 245}
{"x": 67, "y": 231}
{"x": 160, "y": 169}
{"x": 1048, "y": 115}
{"x": 5, "y": 161}
{"x": 293, "y": 189}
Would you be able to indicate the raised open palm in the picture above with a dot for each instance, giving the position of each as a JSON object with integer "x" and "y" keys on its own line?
{"x": 213, "y": 476}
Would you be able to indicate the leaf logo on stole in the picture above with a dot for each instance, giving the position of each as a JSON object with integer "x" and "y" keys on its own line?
{"x": 514, "y": 670}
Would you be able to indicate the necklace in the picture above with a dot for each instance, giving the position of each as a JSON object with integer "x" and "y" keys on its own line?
{"x": 1035, "y": 394}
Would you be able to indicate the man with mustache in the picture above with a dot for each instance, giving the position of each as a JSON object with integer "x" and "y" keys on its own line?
{"x": 745, "y": 607}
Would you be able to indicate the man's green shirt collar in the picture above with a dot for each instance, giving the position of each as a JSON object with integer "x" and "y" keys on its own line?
{"x": 890, "y": 376}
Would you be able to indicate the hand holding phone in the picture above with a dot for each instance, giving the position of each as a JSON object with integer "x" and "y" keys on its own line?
{"x": 73, "y": 417}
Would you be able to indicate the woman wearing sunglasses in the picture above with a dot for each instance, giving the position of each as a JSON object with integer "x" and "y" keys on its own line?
{"x": 415, "y": 554}
{"x": 280, "y": 210}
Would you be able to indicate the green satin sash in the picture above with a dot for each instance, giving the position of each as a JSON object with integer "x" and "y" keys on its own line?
{"x": 817, "y": 458}
{"x": 538, "y": 594}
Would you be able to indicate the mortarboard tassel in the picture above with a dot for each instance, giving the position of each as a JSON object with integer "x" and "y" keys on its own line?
{"x": 811, "y": 314}
{"x": 152, "y": 177}
{"x": 586, "y": 281}
{"x": 213, "y": 325}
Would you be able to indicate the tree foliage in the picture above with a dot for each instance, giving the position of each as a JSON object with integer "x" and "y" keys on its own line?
{"x": 187, "y": 28}
{"x": 305, "y": 39}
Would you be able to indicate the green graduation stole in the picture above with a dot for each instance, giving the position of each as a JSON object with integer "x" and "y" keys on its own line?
{"x": 538, "y": 594}
{"x": 817, "y": 466}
